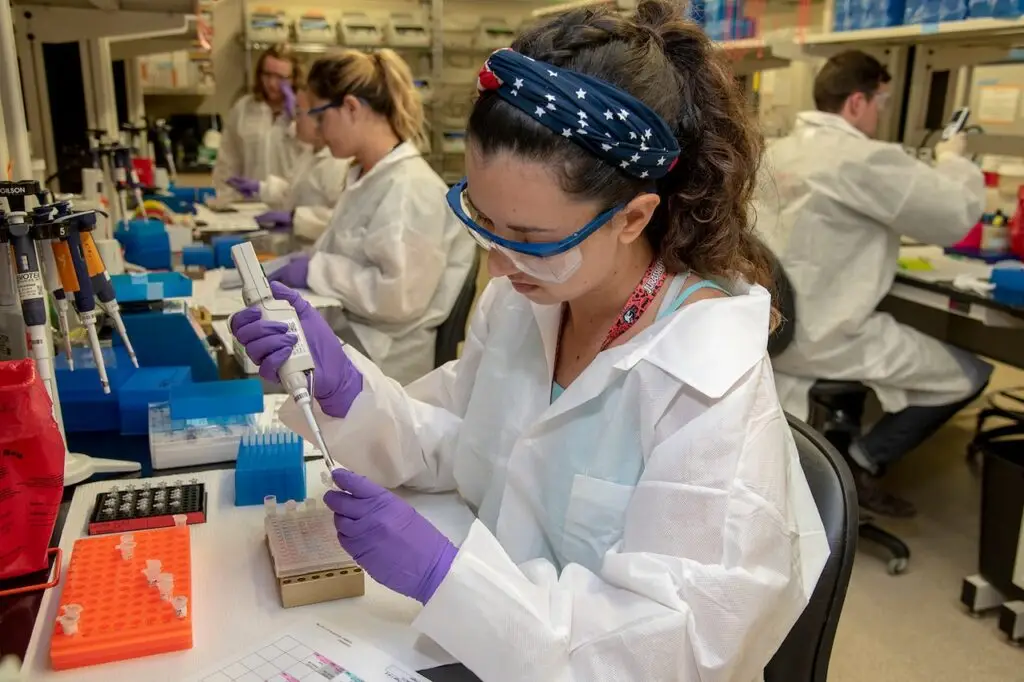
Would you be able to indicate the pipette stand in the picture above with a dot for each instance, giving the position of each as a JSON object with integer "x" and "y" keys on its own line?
{"x": 77, "y": 467}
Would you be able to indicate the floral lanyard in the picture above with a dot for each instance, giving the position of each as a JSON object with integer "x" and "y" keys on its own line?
{"x": 635, "y": 307}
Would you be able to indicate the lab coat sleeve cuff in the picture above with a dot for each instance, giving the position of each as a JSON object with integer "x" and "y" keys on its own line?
{"x": 489, "y": 616}
{"x": 308, "y": 223}
{"x": 273, "y": 191}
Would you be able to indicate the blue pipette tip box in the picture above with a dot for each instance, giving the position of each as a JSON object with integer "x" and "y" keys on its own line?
{"x": 85, "y": 407}
{"x": 198, "y": 255}
{"x": 151, "y": 286}
{"x": 269, "y": 463}
{"x": 147, "y": 385}
{"x": 216, "y": 399}
{"x": 222, "y": 250}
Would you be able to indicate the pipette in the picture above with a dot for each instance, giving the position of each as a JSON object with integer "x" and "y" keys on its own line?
{"x": 85, "y": 223}
{"x": 29, "y": 279}
{"x": 164, "y": 137}
{"x": 123, "y": 159}
{"x": 74, "y": 275}
{"x": 45, "y": 234}
{"x": 296, "y": 374}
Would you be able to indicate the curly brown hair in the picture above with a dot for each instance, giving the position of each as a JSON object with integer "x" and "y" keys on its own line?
{"x": 704, "y": 221}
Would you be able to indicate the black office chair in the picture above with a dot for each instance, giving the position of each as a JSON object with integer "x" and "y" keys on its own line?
{"x": 805, "y": 653}
{"x": 452, "y": 331}
{"x": 836, "y": 410}
{"x": 1007, "y": 407}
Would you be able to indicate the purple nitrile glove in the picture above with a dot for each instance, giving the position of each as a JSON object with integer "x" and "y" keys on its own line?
{"x": 289, "y": 98}
{"x": 336, "y": 381}
{"x": 390, "y": 540}
{"x": 248, "y": 187}
{"x": 274, "y": 219}
{"x": 294, "y": 274}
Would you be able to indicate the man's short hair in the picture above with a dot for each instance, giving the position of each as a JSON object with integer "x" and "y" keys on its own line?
{"x": 845, "y": 74}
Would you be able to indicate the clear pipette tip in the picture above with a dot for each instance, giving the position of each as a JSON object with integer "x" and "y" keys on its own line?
{"x": 115, "y": 314}
{"x": 62, "y": 321}
{"x": 141, "y": 203}
{"x": 307, "y": 411}
{"x": 97, "y": 353}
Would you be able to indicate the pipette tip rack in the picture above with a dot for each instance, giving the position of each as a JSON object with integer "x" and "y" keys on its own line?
{"x": 148, "y": 506}
{"x": 125, "y": 597}
{"x": 309, "y": 564}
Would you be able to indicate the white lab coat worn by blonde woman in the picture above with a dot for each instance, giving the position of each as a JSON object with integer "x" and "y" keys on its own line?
{"x": 392, "y": 253}
{"x": 313, "y": 191}
{"x": 258, "y": 139}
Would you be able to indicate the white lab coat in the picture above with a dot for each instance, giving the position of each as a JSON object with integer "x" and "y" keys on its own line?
{"x": 312, "y": 192}
{"x": 254, "y": 145}
{"x": 652, "y": 523}
{"x": 832, "y": 211}
{"x": 396, "y": 257}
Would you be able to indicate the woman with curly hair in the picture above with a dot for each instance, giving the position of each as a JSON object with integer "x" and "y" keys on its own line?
{"x": 612, "y": 422}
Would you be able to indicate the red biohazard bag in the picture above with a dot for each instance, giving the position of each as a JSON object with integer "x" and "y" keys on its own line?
{"x": 1017, "y": 226}
{"x": 31, "y": 471}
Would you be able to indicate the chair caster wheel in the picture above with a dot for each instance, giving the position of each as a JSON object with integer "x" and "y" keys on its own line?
{"x": 897, "y": 565}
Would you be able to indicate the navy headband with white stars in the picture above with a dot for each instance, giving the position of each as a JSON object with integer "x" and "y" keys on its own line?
{"x": 606, "y": 121}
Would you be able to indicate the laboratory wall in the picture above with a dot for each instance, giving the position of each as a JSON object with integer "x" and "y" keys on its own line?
{"x": 782, "y": 93}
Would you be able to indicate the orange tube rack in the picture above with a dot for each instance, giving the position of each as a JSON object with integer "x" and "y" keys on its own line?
{"x": 121, "y": 615}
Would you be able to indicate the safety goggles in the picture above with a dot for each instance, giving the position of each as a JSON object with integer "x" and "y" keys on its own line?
{"x": 553, "y": 262}
{"x": 317, "y": 113}
{"x": 270, "y": 75}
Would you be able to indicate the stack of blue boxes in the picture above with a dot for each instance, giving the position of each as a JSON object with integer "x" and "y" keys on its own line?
{"x": 84, "y": 405}
{"x": 145, "y": 243}
{"x": 724, "y": 20}
{"x": 851, "y": 15}
{"x": 996, "y": 9}
{"x": 934, "y": 11}
{"x": 222, "y": 250}
{"x": 148, "y": 385}
{"x": 150, "y": 286}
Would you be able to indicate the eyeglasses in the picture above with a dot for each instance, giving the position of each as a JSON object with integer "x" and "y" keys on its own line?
{"x": 317, "y": 113}
{"x": 274, "y": 76}
{"x": 547, "y": 261}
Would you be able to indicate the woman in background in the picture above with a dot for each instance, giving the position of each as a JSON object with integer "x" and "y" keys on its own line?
{"x": 393, "y": 253}
{"x": 306, "y": 200}
{"x": 257, "y": 141}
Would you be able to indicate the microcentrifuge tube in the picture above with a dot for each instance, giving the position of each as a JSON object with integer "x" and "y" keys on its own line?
{"x": 165, "y": 583}
{"x": 179, "y": 519}
{"x": 152, "y": 571}
{"x": 270, "y": 505}
{"x": 68, "y": 624}
{"x": 180, "y": 604}
{"x": 127, "y": 546}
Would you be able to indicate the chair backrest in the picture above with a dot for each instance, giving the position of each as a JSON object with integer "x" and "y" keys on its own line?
{"x": 452, "y": 331}
{"x": 804, "y": 655}
{"x": 785, "y": 303}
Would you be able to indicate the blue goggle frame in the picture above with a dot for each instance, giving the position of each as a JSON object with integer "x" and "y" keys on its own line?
{"x": 541, "y": 249}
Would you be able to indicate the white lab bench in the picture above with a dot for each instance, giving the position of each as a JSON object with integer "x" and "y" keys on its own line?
{"x": 928, "y": 301}
{"x": 235, "y": 598}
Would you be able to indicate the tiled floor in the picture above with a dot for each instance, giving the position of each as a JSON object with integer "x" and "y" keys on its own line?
{"x": 911, "y": 628}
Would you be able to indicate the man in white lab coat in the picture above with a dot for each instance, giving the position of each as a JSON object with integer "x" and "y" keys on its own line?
{"x": 832, "y": 207}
